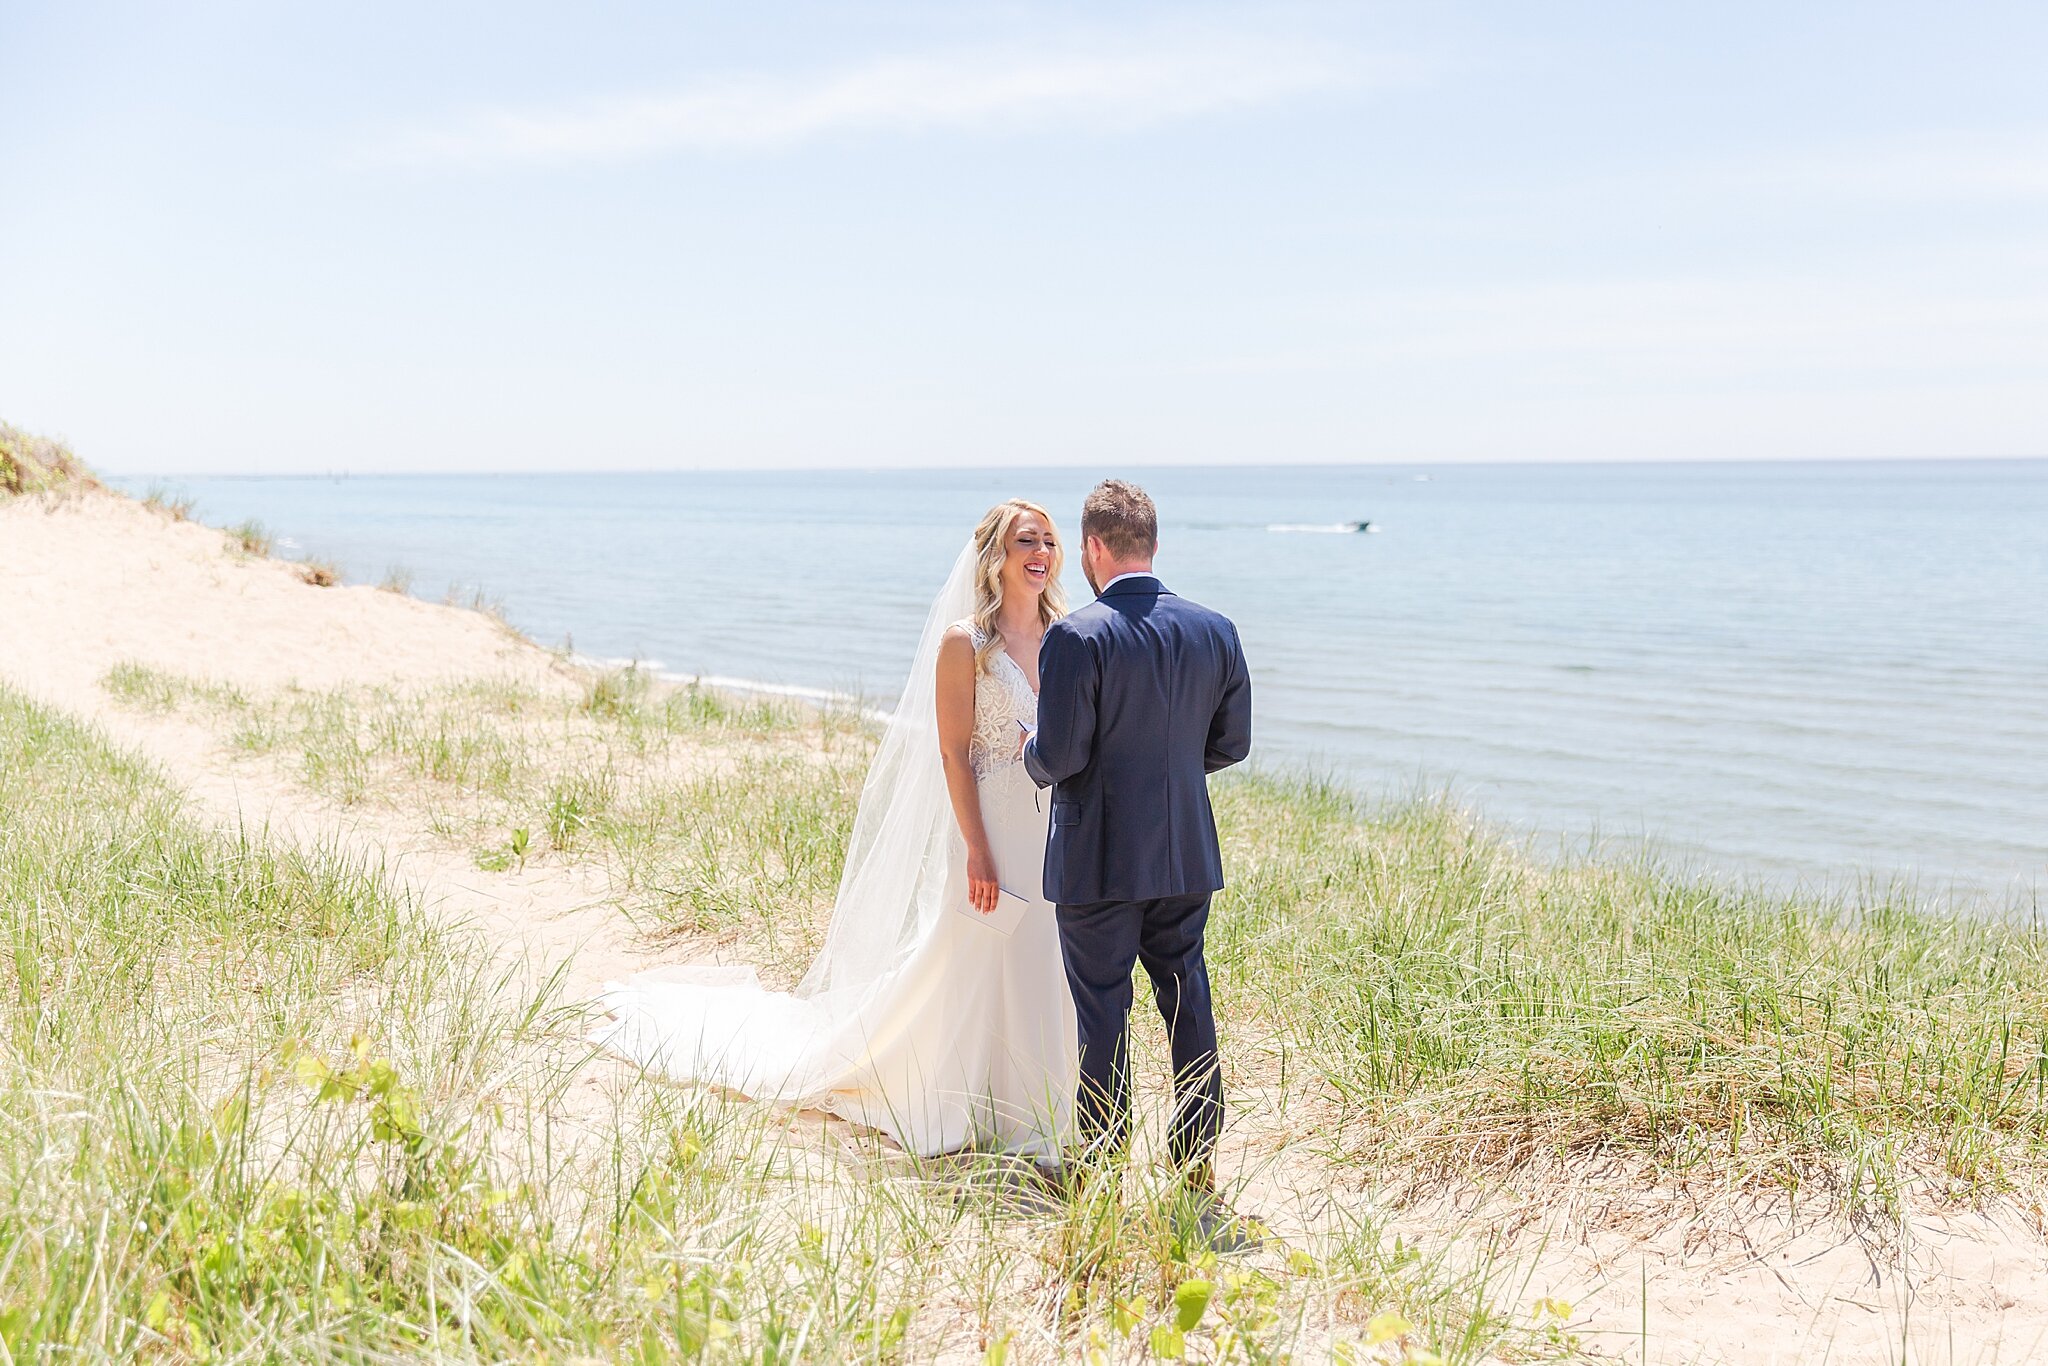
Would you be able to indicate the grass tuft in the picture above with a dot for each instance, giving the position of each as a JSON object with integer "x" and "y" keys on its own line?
{"x": 141, "y": 686}
{"x": 250, "y": 538}
{"x": 39, "y": 464}
{"x": 178, "y": 507}
{"x": 616, "y": 692}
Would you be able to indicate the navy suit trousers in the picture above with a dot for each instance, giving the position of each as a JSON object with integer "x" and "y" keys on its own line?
{"x": 1101, "y": 943}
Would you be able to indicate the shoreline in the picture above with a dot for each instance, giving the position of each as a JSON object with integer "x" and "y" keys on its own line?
{"x": 828, "y": 698}
{"x": 1574, "y": 729}
{"x": 1852, "y": 890}
{"x": 1845, "y": 886}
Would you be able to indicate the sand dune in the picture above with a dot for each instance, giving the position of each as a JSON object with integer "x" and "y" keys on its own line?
{"x": 95, "y": 579}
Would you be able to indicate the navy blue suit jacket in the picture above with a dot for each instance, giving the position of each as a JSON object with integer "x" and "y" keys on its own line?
{"x": 1142, "y": 695}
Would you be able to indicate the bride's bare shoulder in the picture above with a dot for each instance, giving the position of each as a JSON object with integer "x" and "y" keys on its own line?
{"x": 961, "y": 632}
{"x": 956, "y": 648}
{"x": 955, "y": 669}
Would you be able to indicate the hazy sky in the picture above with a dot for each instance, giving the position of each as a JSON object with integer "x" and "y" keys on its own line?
{"x": 280, "y": 237}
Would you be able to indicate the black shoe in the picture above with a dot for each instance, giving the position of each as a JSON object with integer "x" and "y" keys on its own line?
{"x": 1082, "y": 1174}
{"x": 1029, "y": 1187}
{"x": 1070, "y": 1181}
{"x": 1206, "y": 1222}
{"x": 1056, "y": 1178}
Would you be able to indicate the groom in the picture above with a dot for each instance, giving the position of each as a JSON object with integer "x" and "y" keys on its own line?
{"x": 1142, "y": 695}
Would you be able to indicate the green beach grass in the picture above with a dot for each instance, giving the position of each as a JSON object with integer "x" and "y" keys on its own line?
{"x": 1468, "y": 1004}
{"x": 715, "y": 814}
{"x": 1469, "y": 1009}
{"x": 32, "y": 464}
{"x": 259, "y": 1105}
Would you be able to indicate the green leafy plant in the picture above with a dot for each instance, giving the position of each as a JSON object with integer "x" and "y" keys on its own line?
{"x": 394, "y": 1107}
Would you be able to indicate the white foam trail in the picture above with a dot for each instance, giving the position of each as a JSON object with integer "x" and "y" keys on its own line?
{"x": 823, "y": 697}
{"x": 1321, "y": 528}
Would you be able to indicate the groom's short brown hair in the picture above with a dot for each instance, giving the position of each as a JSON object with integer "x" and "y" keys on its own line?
{"x": 1120, "y": 516}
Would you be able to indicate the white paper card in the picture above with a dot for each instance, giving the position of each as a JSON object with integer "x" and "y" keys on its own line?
{"x": 1004, "y": 919}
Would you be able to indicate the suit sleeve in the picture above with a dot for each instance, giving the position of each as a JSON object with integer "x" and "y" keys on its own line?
{"x": 1069, "y": 682}
{"x": 1230, "y": 730}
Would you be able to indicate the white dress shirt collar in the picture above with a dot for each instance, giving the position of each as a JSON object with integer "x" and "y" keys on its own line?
{"x": 1134, "y": 574}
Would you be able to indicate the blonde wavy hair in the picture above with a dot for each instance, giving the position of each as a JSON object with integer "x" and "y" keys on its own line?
{"x": 992, "y": 542}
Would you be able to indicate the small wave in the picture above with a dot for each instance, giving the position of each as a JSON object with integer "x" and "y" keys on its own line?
{"x": 823, "y": 697}
{"x": 1322, "y": 528}
{"x": 755, "y": 685}
{"x": 653, "y": 666}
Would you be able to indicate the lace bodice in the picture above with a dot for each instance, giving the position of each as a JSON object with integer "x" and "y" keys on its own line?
{"x": 1002, "y": 698}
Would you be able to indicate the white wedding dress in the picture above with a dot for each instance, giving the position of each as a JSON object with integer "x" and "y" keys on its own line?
{"x": 916, "y": 1019}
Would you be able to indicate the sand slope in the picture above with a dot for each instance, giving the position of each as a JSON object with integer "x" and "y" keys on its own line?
{"x": 94, "y": 579}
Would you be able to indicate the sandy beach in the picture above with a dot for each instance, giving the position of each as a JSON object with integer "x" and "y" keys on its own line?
{"x": 1597, "y": 1257}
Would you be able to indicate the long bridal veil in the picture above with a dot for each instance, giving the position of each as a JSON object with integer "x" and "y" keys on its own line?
{"x": 889, "y": 893}
{"x": 720, "y": 1025}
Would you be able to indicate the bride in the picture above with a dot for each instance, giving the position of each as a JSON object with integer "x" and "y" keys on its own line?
{"x": 921, "y": 1017}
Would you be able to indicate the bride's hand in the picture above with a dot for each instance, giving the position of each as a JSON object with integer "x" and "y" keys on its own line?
{"x": 981, "y": 880}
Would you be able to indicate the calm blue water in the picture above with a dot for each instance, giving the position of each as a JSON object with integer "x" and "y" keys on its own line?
{"x": 1794, "y": 672}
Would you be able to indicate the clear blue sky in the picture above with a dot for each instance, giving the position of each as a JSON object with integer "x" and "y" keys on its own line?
{"x": 278, "y": 237}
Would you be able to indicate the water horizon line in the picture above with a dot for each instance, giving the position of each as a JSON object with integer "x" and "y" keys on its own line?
{"x": 1368, "y": 463}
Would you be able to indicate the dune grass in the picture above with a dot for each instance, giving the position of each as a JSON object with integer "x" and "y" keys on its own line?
{"x": 257, "y": 1106}
{"x": 716, "y": 814}
{"x": 31, "y": 464}
{"x": 250, "y": 538}
{"x": 1443, "y": 1002}
{"x": 176, "y": 506}
{"x": 1471, "y": 1009}
{"x": 160, "y": 1195}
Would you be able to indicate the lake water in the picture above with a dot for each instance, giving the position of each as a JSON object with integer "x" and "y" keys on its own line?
{"x": 1794, "y": 672}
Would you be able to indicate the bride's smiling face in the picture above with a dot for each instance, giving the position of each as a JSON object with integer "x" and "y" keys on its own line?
{"x": 1031, "y": 559}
